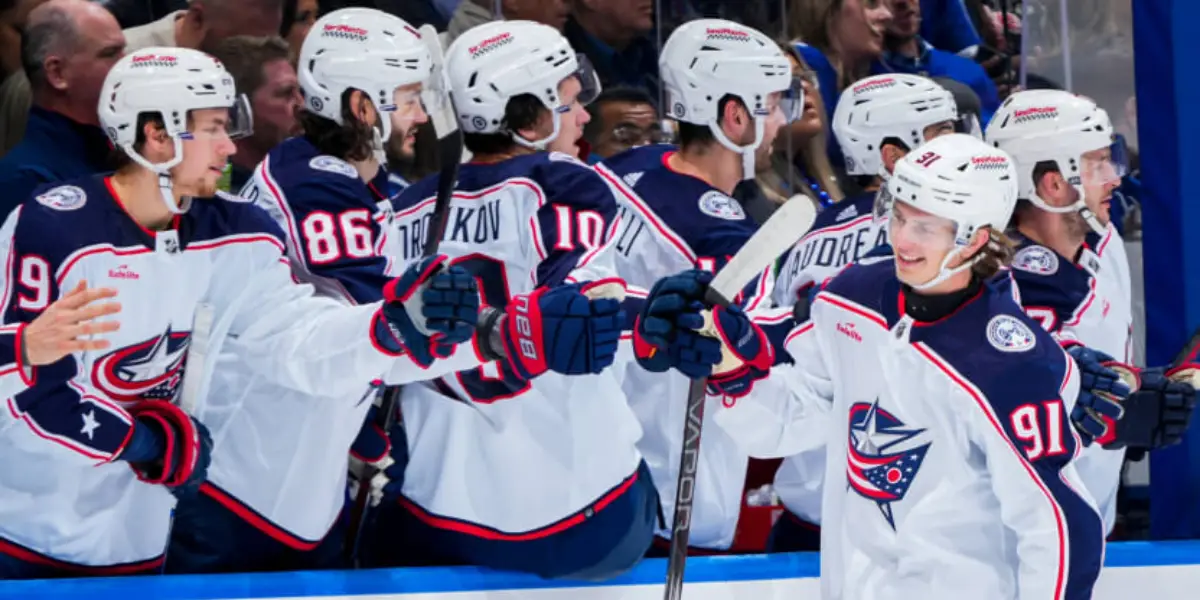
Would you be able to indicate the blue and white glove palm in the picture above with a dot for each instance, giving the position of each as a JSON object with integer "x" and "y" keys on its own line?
{"x": 427, "y": 311}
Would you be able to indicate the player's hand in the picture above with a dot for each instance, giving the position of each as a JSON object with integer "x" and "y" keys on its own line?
{"x": 746, "y": 354}
{"x": 428, "y": 310}
{"x": 65, "y": 325}
{"x": 1157, "y": 414}
{"x": 666, "y": 335}
{"x": 373, "y": 448}
{"x": 1104, "y": 385}
{"x": 185, "y": 443}
{"x": 562, "y": 330}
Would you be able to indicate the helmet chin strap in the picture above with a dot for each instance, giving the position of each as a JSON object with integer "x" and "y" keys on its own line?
{"x": 540, "y": 145}
{"x": 746, "y": 151}
{"x": 945, "y": 273}
{"x": 163, "y": 172}
{"x": 1078, "y": 206}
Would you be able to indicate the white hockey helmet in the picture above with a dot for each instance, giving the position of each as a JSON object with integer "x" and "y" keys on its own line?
{"x": 362, "y": 49}
{"x": 489, "y": 65}
{"x": 960, "y": 178}
{"x": 1037, "y": 126}
{"x": 707, "y": 59}
{"x": 881, "y": 107}
{"x": 170, "y": 82}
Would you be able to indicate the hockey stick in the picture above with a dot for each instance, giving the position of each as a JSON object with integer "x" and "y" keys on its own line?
{"x": 449, "y": 148}
{"x": 778, "y": 234}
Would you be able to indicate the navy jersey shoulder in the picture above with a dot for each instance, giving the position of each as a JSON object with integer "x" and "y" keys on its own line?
{"x": 225, "y": 215}
{"x": 713, "y": 224}
{"x": 870, "y": 283}
{"x": 1047, "y": 281}
{"x": 999, "y": 349}
{"x": 311, "y": 179}
{"x": 62, "y": 218}
{"x": 845, "y": 211}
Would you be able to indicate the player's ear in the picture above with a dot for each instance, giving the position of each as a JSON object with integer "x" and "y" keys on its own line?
{"x": 52, "y": 67}
{"x": 735, "y": 121}
{"x": 1050, "y": 185}
{"x": 890, "y": 154}
{"x": 361, "y": 108}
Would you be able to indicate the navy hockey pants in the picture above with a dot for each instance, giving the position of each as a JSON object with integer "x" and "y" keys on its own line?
{"x": 210, "y": 536}
{"x": 608, "y": 541}
{"x": 793, "y": 534}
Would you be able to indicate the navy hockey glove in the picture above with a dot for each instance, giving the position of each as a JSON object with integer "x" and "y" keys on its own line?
{"x": 666, "y": 335}
{"x": 168, "y": 447}
{"x": 1157, "y": 414}
{"x": 561, "y": 330}
{"x": 746, "y": 352}
{"x": 447, "y": 302}
{"x": 373, "y": 447}
{"x": 1101, "y": 392}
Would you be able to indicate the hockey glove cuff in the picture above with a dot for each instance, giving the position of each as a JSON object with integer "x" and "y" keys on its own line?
{"x": 562, "y": 330}
{"x": 1156, "y": 415}
{"x": 186, "y": 447}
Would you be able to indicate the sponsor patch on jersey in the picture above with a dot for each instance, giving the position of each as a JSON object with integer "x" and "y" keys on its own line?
{"x": 847, "y": 213}
{"x": 716, "y": 204}
{"x": 64, "y": 197}
{"x": 1009, "y": 334}
{"x": 1036, "y": 259}
{"x": 333, "y": 165}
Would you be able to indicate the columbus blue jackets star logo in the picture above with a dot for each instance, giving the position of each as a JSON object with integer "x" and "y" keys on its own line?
{"x": 148, "y": 370}
{"x": 876, "y": 469}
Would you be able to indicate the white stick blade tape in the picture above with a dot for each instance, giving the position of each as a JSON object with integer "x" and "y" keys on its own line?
{"x": 791, "y": 221}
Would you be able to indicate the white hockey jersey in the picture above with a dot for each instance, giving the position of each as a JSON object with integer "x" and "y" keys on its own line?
{"x": 488, "y": 450}
{"x": 68, "y": 497}
{"x": 671, "y": 223}
{"x": 840, "y": 235}
{"x": 1087, "y": 300}
{"x": 279, "y": 457}
{"x": 949, "y": 473}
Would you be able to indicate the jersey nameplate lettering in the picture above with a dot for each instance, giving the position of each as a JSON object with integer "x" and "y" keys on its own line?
{"x": 1036, "y": 259}
{"x": 1008, "y": 334}
{"x": 64, "y": 197}
{"x": 333, "y": 165}
{"x": 716, "y": 204}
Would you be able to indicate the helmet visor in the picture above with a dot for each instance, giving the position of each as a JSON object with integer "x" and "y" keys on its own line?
{"x": 791, "y": 100}
{"x": 589, "y": 81}
{"x": 241, "y": 118}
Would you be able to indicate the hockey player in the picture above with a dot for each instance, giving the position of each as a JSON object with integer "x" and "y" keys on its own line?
{"x": 949, "y": 472}
{"x": 730, "y": 89}
{"x": 73, "y": 504}
{"x": 536, "y": 476}
{"x": 1072, "y": 272}
{"x": 878, "y": 120}
{"x": 277, "y": 482}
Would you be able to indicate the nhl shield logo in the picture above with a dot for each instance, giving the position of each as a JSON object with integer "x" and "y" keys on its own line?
{"x": 1009, "y": 334}
{"x": 1036, "y": 259}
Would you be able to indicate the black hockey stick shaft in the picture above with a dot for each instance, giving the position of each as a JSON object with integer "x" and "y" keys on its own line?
{"x": 450, "y": 150}
{"x": 1189, "y": 350}
{"x": 685, "y": 485}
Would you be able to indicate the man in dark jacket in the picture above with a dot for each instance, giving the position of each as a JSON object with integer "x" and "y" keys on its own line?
{"x": 68, "y": 48}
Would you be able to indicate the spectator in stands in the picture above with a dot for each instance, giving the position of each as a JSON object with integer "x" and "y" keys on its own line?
{"x": 948, "y": 26}
{"x": 68, "y": 48}
{"x": 838, "y": 39}
{"x": 477, "y": 12}
{"x": 298, "y": 18}
{"x": 14, "y": 91}
{"x": 798, "y": 166}
{"x": 13, "y": 14}
{"x": 206, "y": 22}
{"x": 907, "y": 52}
{"x": 613, "y": 34}
{"x": 622, "y": 118}
{"x": 262, "y": 69}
